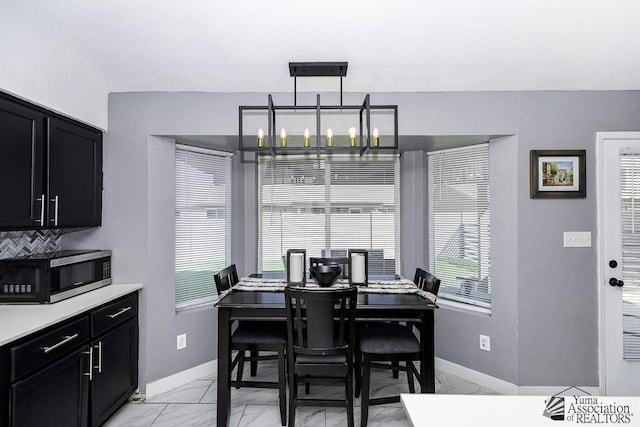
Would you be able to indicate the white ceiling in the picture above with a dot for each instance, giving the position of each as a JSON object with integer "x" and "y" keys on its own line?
{"x": 429, "y": 45}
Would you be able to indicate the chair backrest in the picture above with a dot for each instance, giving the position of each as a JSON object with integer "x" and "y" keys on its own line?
{"x": 427, "y": 281}
{"x": 226, "y": 278}
{"x": 321, "y": 322}
{"x": 339, "y": 261}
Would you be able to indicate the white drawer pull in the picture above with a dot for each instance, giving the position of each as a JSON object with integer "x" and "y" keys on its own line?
{"x": 63, "y": 342}
{"x": 124, "y": 310}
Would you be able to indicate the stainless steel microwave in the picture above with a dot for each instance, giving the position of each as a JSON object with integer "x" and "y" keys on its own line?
{"x": 53, "y": 276}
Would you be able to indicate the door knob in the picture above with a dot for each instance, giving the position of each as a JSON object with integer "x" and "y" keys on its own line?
{"x": 615, "y": 282}
{"x": 613, "y": 263}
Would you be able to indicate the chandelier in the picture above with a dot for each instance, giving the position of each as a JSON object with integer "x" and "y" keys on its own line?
{"x": 321, "y": 128}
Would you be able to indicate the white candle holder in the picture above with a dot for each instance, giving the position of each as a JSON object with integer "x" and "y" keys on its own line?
{"x": 358, "y": 267}
{"x": 296, "y": 267}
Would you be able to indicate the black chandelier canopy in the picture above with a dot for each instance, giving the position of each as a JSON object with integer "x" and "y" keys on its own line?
{"x": 323, "y": 128}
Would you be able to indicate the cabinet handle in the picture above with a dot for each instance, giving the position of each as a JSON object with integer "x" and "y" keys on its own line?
{"x": 124, "y": 310}
{"x": 55, "y": 210}
{"x": 42, "y": 201}
{"x": 66, "y": 339}
{"x": 90, "y": 353}
{"x": 99, "y": 347}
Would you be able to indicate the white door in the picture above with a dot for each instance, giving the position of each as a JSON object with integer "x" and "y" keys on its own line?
{"x": 619, "y": 257}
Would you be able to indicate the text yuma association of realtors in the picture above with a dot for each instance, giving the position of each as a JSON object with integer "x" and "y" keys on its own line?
{"x": 589, "y": 410}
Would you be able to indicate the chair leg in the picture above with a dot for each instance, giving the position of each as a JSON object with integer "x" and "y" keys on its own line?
{"x": 254, "y": 363}
{"x": 282, "y": 386}
{"x": 293, "y": 395}
{"x": 364, "y": 404}
{"x": 395, "y": 373}
{"x": 240, "y": 366}
{"x": 412, "y": 388}
{"x": 358, "y": 372}
{"x": 349, "y": 393}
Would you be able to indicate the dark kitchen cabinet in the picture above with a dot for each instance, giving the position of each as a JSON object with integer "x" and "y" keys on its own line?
{"x": 22, "y": 196}
{"x": 50, "y": 377}
{"x": 115, "y": 354}
{"x": 55, "y": 396}
{"x": 75, "y": 174}
{"x": 50, "y": 169}
{"x": 75, "y": 373}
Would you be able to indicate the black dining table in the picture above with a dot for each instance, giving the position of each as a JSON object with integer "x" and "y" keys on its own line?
{"x": 270, "y": 305}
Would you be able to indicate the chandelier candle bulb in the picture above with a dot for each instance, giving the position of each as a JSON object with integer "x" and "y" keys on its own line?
{"x": 307, "y": 138}
{"x": 352, "y": 136}
{"x": 283, "y": 138}
{"x": 329, "y": 138}
{"x": 376, "y": 137}
{"x": 260, "y": 138}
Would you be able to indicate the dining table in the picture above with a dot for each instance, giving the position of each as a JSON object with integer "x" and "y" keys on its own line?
{"x": 260, "y": 297}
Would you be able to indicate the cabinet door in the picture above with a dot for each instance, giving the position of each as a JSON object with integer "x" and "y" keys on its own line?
{"x": 21, "y": 160}
{"x": 55, "y": 396}
{"x": 115, "y": 373}
{"x": 75, "y": 175}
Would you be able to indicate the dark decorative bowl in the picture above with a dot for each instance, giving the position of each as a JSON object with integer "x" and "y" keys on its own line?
{"x": 325, "y": 275}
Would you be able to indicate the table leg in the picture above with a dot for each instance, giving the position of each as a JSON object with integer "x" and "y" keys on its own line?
{"x": 224, "y": 362}
{"x": 427, "y": 364}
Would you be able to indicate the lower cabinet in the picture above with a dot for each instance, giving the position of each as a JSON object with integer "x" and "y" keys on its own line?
{"x": 75, "y": 373}
{"x": 55, "y": 396}
{"x": 115, "y": 374}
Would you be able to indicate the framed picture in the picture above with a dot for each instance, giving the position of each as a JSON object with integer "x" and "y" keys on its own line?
{"x": 558, "y": 174}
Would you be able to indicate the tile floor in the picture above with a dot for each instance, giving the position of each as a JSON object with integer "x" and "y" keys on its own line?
{"x": 194, "y": 404}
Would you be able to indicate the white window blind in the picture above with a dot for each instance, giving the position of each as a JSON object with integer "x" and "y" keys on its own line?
{"x": 630, "y": 191}
{"x": 203, "y": 223}
{"x": 328, "y": 205}
{"x": 459, "y": 223}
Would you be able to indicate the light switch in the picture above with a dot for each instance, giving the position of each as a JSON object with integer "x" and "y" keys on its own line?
{"x": 577, "y": 239}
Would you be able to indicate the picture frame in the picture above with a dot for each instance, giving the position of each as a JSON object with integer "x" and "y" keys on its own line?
{"x": 558, "y": 174}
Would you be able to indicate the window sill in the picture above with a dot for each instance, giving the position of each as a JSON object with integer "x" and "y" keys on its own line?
{"x": 204, "y": 304}
{"x": 463, "y": 308}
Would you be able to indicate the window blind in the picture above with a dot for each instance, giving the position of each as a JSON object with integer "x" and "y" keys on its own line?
{"x": 630, "y": 221}
{"x": 328, "y": 205}
{"x": 202, "y": 224}
{"x": 459, "y": 223}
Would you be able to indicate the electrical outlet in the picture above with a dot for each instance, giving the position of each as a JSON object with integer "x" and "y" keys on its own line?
{"x": 181, "y": 341}
{"x": 485, "y": 343}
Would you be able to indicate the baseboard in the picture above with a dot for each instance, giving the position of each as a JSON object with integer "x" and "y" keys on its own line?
{"x": 501, "y": 386}
{"x": 210, "y": 369}
{"x": 165, "y": 384}
{"x": 507, "y": 388}
{"x": 562, "y": 391}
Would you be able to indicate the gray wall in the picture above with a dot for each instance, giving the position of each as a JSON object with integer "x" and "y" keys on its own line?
{"x": 544, "y": 321}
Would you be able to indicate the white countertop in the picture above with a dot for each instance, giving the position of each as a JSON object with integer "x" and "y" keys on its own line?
{"x": 436, "y": 410}
{"x": 18, "y": 321}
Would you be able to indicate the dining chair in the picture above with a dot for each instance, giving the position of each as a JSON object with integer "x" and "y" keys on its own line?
{"x": 256, "y": 337}
{"x": 385, "y": 346}
{"x": 426, "y": 281}
{"x": 320, "y": 327}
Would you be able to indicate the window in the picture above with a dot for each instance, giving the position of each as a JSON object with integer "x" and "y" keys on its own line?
{"x": 459, "y": 223}
{"x": 328, "y": 205}
{"x": 203, "y": 223}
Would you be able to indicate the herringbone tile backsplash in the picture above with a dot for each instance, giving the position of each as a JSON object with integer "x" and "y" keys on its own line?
{"x": 20, "y": 243}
